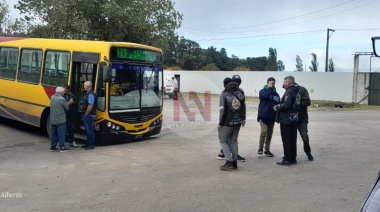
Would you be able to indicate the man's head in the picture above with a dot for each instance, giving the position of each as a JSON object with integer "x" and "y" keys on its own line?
{"x": 226, "y": 81}
{"x": 59, "y": 91}
{"x": 67, "y": 90}
{"x": 288, "y": 82}
{"x": 236, "y": 78}
{"x": 87, "y": 86}
{"x": 271, "y": 82}
{"x": 173, "y": 78}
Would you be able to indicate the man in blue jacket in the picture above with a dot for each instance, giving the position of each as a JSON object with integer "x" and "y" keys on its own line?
{"x": 266, "y": 115}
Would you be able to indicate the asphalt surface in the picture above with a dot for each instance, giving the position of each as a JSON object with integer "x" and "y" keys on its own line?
{"x": 178, "y": 170}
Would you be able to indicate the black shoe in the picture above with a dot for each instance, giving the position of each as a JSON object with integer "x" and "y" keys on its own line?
{"x": 84, "y": 146}
{"x": 260, "y": 152}
{"x": 235, "y": 164}
{"x": 292, "y": 161}
{"x": 284, "y": 162}
{"x": 228, "y": 166}
{"x": 240, "y": 158}
{"x": 53, "y": 149}
{"x": 309, "y": 156}
{"x": 220, "y": 156}
{"x": 268, "y": 153}
{"x": 89, "y": 147}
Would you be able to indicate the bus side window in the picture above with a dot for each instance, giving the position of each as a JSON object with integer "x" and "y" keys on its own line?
{"x": 30, "y": 66}
{"x": 8, "y": 62}
{"x": 56, "y": 68}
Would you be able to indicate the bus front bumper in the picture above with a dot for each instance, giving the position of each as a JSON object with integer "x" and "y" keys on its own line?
{"x": 125, "y": 136}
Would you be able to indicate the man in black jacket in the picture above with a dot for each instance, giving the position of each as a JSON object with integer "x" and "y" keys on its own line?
{"x": 288, "y": 117}
{"x": 231, "y": 116}
{"x": 70, "y": 116}
{"x": 303, "y": 120}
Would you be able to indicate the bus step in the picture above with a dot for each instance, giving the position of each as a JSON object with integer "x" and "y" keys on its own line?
{"x": 80, "y": 136}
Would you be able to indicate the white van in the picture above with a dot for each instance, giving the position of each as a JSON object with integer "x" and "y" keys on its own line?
{"x": 168, "y": 84}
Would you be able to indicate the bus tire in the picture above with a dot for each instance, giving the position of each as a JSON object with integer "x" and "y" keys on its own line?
{"x": 48, "y": 126}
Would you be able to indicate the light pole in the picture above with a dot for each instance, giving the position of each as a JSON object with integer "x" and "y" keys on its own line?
{"x": 327, "y": 47}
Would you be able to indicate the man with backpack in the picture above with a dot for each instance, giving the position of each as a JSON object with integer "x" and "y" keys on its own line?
{"x": 287, "y": 116}
{"x": 232, "y": 116}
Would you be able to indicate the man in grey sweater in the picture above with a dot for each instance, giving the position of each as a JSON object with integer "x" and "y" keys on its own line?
{"x": 58, "y": 108}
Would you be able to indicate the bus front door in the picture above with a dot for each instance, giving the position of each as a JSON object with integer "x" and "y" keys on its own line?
{"x": 84, "y": 69}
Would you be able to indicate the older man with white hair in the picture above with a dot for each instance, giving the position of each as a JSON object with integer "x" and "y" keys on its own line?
{"x": 58, "y": 108}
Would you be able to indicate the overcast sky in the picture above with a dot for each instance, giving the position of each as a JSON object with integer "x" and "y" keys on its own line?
{"x": 248, "y": 28}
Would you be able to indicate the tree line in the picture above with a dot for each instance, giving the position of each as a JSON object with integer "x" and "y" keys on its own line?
{"x": 144, "y": 21}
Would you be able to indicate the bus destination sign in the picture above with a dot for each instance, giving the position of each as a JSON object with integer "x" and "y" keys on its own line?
{"x": 142, "y": 55}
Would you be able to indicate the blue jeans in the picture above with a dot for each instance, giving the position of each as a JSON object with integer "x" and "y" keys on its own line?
{"x": 70, "y": 131}
{"x": 89, "y": 126}
{"x": 58, "y": 134}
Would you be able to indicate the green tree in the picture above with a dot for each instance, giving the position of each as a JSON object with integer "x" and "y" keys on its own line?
{"x": 4, "y": 18}
{"x": 299, "y": 64}
{"x": 213, "y": 56}
{"x": 280, "y": 65}
{"x": 191, "y": 55}
{"x": 3, "y": 12}
{"x": 257, "y": 63}
{"x": 225, "y": 60}
{"x": 210, "y": 67}
{"x": 272, "y": 60}
{"x": 314, "y": 63}
{"x": 235, "y": 62}
{"x": 144, "y": 21}
{"x": 331, "y": 65}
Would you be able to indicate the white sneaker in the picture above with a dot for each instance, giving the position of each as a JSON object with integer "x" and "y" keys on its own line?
{"x": 74, "y": 144}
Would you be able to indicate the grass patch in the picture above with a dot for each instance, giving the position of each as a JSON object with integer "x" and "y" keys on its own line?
{"x": 341, "y": 105}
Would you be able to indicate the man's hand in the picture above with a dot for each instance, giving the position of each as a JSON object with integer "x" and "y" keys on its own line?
{"x": 275, "y": 108}
{"x": 242, "y": 122}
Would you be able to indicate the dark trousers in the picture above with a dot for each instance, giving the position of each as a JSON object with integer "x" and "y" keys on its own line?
{"x": 302, "y": 129}
{"x": 175, "y": 94}
{"x": 289, "y": 141}
{"x": 70, "y": 131}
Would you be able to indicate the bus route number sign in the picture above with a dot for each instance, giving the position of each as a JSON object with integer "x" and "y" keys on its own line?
{"x": 124, "y": 53}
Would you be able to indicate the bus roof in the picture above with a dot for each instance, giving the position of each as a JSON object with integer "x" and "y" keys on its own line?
{"x": 66, "y": 44}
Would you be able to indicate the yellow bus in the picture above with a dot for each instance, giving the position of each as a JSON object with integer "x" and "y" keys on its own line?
{"x": 127, "y": 79}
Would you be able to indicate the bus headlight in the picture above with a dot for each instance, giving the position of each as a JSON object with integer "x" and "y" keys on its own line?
{"x": 109, "y": 124}
{"x": 113, "y": 126}
{"x": 117, "y": 128}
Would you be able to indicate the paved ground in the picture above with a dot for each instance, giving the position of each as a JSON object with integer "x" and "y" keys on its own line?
{"x": 178, "y": 170}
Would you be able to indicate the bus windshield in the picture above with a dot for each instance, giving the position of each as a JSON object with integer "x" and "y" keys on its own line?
{"x": 135, "y": 87}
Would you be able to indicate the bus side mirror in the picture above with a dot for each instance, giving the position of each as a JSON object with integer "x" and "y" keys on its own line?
{"x": 376, "y": 46}
{"x": 106, "y": 73}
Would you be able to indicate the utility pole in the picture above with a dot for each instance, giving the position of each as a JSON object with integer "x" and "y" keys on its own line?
{"x": 327, "y": 47}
